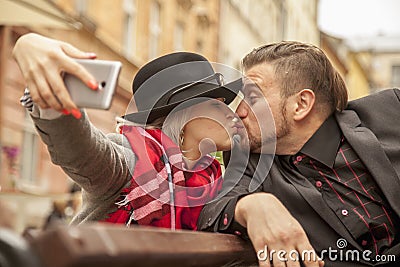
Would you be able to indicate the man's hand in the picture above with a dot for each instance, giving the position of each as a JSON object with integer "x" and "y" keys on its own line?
{"x": 270, "y": 225}
{"x": 42, "y": 62}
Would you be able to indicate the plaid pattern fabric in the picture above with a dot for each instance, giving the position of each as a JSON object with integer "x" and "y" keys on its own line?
{"x": 148, "y": 200}
{"x": 351, "y": 192}
{"x": 26, "y": 100}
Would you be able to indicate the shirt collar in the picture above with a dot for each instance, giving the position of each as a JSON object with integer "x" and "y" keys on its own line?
{"x": 324, "y": 143}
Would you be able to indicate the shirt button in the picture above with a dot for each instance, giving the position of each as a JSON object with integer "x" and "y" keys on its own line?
{"x": 318, "y": 184}
{"x": 364, "y": 243}
{"x": 299, "y": 158}
{"x": 226, "y": 219}
{"x": 345, "y": 212}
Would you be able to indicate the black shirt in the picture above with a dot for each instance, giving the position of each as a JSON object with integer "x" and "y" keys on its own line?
{"x": 332, "y": 166}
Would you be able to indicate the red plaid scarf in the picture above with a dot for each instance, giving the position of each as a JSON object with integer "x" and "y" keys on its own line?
{"x": 147, "y": 200}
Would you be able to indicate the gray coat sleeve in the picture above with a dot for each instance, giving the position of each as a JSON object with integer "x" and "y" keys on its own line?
{"x": 99, "y": 163}
{"x": 243, "y": 175}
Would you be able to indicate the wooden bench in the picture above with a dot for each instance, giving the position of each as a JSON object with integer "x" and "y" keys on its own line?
{"x": 107, "y": 245}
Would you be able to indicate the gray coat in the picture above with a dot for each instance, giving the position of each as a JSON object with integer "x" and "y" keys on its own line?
{"x": 99, "y": 163}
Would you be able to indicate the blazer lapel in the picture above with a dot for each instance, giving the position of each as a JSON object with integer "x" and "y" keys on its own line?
{"x": 367, "y": 147}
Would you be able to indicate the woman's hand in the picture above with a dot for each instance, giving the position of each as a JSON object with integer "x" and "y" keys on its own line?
{"x": 42, "y": 61}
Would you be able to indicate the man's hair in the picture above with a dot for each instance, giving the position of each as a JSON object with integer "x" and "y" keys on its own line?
{"x": 298, "y": 66}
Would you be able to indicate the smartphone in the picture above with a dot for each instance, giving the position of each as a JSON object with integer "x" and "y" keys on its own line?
{"x": 105, "y": 72}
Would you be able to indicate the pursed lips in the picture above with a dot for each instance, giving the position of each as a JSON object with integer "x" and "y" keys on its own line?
{"x": 238, "y": 126}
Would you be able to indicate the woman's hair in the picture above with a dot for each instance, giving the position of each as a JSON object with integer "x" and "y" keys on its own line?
{"x": 298, "y": 66}
{"x": 171, "y": 125}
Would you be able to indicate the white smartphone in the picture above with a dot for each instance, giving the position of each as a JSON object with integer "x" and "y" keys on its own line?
{"x": 105, "y": 72}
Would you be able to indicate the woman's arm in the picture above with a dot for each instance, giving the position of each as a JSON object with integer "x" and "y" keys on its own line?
{"x": 99, "y": 163}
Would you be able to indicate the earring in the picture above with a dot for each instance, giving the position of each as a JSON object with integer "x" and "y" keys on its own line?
{"x": 181, "y": 140}
{"x": 181, "y": 137}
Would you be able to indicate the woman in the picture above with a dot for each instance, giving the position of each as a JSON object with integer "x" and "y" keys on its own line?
{"x": 156, "y": 170}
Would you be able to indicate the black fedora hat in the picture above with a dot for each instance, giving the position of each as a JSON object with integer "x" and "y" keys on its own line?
{"x": 167, "y": 82}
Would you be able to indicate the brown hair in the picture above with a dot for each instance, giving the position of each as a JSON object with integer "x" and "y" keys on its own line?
{"x": 299, "y": 65}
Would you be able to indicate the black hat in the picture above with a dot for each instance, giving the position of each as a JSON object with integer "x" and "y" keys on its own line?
{"x": 168, "y": 81}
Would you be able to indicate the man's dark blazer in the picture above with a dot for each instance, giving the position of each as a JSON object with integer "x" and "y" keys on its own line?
{"x": 371, "y": 125}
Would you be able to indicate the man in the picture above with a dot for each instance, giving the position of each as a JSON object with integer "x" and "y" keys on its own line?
{"x": 333, "y": 182}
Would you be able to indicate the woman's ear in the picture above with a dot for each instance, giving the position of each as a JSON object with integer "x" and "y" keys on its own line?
{"x": 305, "y": 100}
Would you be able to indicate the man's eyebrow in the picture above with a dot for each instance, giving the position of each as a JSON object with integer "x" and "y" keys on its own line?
{"x": 251, "y": 85}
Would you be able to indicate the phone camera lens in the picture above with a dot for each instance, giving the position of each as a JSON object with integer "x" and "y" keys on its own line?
{"x": 102, "y": 85}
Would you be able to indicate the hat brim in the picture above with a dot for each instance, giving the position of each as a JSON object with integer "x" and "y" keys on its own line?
{"x": 228, "y": 92}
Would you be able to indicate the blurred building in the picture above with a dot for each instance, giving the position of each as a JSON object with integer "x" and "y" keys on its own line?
{"x": 353, "y": 69}
{"x": 382, "y": 55}
{"x": 246, "y": 24}
{"x": 367, "y": 64}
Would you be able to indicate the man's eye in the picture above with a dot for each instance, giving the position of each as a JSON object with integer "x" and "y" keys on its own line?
{"x": 252, "y": 99}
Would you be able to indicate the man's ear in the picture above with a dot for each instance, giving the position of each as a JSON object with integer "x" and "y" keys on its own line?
{"x": 305, "y": 100}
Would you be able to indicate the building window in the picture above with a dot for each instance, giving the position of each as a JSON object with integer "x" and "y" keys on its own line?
{"x": 155, "y": 29}
{"x": 283, "y": 19}
{"x": 179, "y": 32}
{"x": 200, "y": 46}
{"x": 185, "y": 4}
{"x": 129, "y": 31}
{"x": 30, "y": 152}
{"x": 81, "y": 6}
{"x": 396, "y": 76}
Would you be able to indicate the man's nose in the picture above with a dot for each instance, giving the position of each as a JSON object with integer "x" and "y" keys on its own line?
{"x": 242, "y": 109}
